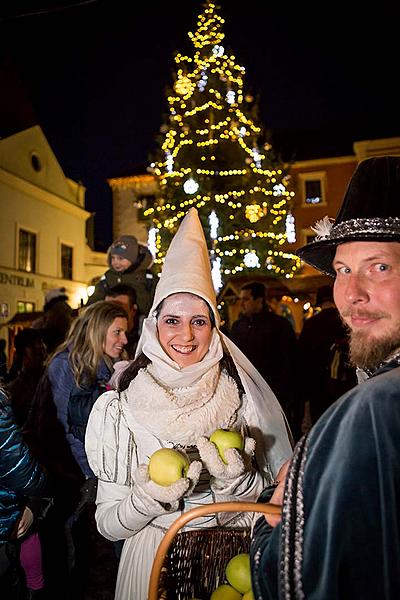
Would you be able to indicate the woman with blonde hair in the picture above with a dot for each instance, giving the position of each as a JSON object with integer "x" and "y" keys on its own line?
{"x": 81, "y": 367}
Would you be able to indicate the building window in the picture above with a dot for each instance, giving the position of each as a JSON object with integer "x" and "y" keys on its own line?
{"x": 66, "y": 261}
{"x": 313, "y": 192}
{"x": 25, "y": 307}
{"x": 27, "y": 251}
{"x": 36, "y": 163}
{"x": 313, "y": 188}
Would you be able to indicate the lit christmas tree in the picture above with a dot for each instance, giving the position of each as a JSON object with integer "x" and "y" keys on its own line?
{"x": 211, "y": 157}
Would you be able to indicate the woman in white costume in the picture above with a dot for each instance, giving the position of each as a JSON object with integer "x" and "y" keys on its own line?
{"x": 187, "y": 380}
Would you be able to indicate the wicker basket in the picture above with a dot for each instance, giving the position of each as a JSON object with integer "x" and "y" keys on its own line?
{"x": 192, "y": 564}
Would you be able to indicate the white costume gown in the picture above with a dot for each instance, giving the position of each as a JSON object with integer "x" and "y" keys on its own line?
{"x": 116, "y": 444}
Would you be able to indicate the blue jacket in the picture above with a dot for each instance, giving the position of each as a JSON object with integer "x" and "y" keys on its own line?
{"x": 20, "y": 475}
{"x": 72, "y": 403}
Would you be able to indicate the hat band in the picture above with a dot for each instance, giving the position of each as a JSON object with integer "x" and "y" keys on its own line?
{"x": 387, "y": 227}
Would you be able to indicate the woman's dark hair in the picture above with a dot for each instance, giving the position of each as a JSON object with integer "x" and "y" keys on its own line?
{"x": 229, "y": 367}
{"x": 130, "y": 372}
{"x": 210, "y": 311}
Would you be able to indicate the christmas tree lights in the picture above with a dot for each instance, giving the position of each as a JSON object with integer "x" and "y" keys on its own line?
{"x": 211, "y": 157}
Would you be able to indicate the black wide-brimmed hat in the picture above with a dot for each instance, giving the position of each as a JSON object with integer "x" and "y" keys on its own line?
{"x": 370, "y": 212}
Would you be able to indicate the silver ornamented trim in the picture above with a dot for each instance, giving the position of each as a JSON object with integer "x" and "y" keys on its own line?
{"x": 370, "y": 226}
{"x": 393, "y": 357}
{"x": 291, "y": 585}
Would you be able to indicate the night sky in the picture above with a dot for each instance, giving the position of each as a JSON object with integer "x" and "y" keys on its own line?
{"x": 95, "y": 74}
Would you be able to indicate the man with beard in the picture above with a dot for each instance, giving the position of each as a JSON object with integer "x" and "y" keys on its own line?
{"x": 339, "y": 537}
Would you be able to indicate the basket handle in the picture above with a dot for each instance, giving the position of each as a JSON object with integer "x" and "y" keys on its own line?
{"x": 200, "y": 511}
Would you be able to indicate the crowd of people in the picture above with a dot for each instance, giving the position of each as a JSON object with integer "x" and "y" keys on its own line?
{"x": 92, "y": 394}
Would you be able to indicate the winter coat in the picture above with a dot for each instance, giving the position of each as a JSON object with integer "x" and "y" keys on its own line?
{"x": 55, "y": 322}
{"x": 320, "y": 387}
{"x": 20, "y": 475}
{"x": 138, "y": 276}
{"x": 74, "y": 404}
{"x": 21, "y": 391}
{"x": 269, "y": 342}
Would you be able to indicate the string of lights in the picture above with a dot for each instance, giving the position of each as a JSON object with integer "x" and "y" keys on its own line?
{"x": 211, "y": 157}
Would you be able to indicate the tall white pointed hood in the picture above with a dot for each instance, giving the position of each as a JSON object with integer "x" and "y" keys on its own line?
{"x": 187, "y": 265}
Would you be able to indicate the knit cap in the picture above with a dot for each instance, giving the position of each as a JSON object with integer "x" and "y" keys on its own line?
{"x": 125, "y": 246}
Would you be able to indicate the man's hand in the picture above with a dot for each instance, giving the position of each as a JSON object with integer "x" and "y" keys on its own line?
{"x": 25, "y": 521}
{"x": 277, "y": 496}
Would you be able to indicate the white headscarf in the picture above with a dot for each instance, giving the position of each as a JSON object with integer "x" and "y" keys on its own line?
{"x": 167, "y": 370}
{"x": 187, "y": 269}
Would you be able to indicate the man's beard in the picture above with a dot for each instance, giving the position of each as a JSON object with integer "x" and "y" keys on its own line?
{"x": 368, "y": 352}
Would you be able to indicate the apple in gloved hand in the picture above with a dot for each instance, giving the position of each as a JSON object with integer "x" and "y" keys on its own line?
{"x": 167, "y": 466}
{"x": 226, "y": 438}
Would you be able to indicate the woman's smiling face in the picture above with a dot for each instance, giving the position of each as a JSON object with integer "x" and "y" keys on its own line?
{"x": 184, "y": 328}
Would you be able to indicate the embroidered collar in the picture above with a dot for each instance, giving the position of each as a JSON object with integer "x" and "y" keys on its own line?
{"x": 364, "y": 374}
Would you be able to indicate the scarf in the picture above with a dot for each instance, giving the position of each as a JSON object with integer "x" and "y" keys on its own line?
{"x": 183, "y": 414}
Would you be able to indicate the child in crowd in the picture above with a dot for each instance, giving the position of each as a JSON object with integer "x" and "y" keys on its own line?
{"x": 129, "y": 262}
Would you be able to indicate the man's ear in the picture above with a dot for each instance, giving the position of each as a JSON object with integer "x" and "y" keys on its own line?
{"x": 134, "y": 309}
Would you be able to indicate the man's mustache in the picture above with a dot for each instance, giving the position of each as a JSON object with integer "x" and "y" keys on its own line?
{"x": 362, "y": 314}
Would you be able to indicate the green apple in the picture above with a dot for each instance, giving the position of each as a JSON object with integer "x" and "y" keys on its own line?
{"x": 167, "y": 466}
{"x": 225, "y": 592}
{"x": 238, "y": 572}
{"x": 248, "y": 595}
{"x": 226, "y": 438}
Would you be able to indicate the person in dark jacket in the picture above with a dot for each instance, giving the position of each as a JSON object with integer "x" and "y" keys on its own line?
{"x": 326, "y": 374}
{"x": 339, "y": 537}
{"x": 56, "y": 319}
{"x": 269, "y": 342}
{"x": 20, "y": 478}
{"x": 30, "y": 353}
{"x": 129, "y": 264}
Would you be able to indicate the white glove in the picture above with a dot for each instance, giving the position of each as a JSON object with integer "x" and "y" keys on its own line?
{"x": 237, "y": 462}
{"x": 170, "y": 494}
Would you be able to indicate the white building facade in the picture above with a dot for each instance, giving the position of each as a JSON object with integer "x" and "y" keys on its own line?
{"x": 42, "y": 229}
